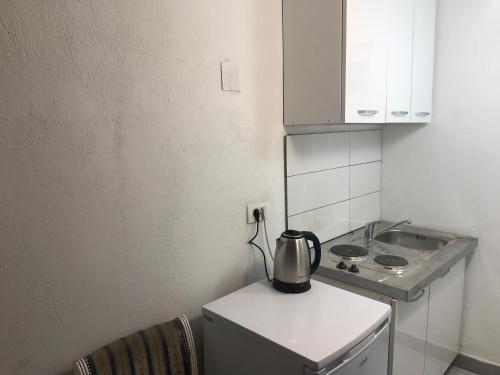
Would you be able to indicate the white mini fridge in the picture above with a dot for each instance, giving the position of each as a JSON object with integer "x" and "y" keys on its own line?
{"x": 325, "y": 331}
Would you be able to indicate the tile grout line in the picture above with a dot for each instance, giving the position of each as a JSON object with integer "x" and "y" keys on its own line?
{"x": 348, "y": 130}
{"x": 349, "y": 182}
{"x": 349, "y": 203}
{"x": 334, "y": 203}
{"x": 332, "y": 169}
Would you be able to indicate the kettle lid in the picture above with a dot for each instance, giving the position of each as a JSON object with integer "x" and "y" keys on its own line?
{"x": 292, "y": 234}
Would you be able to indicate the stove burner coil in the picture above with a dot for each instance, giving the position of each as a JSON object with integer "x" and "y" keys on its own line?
{"x": 350, "y": 252}
{"x": 391, "y": 261}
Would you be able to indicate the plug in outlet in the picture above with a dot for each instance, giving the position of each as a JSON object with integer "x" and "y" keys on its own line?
{"x": 261, "y": 206}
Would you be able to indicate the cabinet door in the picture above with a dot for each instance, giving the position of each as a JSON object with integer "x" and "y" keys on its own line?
{"x": 445, "y": 318}
{"x": 423, "y": 60}
{"x": 399, "y": 60}
{"x": 312, "y": 68}
{"x": 365, "y": 61}
{"x": 410, "y": 336}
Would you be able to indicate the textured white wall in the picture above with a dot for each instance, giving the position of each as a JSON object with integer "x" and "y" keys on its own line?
{"x": 124, "y": 169}
{"x": 446, "y": 174}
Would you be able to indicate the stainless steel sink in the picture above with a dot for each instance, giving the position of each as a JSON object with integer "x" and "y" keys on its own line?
{"x": 411, "y": 240}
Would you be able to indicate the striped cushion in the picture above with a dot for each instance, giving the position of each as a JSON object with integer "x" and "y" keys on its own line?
{"x": 165, "y": 349}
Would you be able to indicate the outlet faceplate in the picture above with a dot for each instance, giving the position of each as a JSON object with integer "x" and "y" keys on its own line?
{"x": 253, "y": 206}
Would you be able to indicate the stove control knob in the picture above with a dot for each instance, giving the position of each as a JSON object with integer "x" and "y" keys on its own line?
{"x": 342, "y": 266}
{"x": 354, "y": 269}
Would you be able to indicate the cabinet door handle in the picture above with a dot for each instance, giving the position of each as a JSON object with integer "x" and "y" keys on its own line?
{"x": 399, "y": 113}
{"x": 445, "y": 273}
{"x": 367, "y": 112}
{"x": 422, "y": 114}
{"x": 418, "y": 296}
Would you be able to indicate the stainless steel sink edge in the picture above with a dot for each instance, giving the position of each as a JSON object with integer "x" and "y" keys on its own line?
{"x": 442, "y": 269}
{"x": 412, "y": 239}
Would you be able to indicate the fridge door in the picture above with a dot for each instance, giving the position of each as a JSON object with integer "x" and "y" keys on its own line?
{"x": 370, "y": 357}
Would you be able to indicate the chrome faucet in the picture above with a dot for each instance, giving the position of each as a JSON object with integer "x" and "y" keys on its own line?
{"x": 370, "y": 229}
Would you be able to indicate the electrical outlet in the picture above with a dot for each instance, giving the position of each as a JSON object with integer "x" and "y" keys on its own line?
{"x": 251, "y": 207}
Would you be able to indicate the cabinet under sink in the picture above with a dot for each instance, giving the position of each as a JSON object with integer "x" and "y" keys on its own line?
{"x": 427, "y": 331}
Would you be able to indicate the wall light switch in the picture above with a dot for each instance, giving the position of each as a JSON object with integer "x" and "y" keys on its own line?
{"x": 230, "y": 74}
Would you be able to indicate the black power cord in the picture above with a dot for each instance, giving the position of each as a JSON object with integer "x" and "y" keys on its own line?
{"x": 256, "y": 215}
{"x": 267, "y": 238}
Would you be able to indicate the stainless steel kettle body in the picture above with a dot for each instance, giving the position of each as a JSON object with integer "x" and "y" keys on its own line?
{"x": 292, "y": 261}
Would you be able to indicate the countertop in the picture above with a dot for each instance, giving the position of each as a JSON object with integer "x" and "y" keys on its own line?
{"x": 319, "y": 325}
{"x": 426, "y": 265}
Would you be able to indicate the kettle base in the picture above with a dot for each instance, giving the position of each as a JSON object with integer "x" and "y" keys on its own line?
{"x": 293, "y": 288}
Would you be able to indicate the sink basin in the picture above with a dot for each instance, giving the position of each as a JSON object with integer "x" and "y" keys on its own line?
{"x": 411, "y": 240}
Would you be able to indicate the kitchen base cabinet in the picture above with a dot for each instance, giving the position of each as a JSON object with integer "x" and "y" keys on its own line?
{"x": 410, "y": 336}
{"x": 427, "y": 333}
{"x": 445, "y": 319}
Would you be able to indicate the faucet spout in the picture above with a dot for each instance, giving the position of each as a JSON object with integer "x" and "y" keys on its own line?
{"x": 370, "y": 229}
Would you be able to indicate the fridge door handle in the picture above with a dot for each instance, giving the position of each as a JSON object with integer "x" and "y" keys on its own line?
{"x": 351, "y": 354}
{"x": 360, "y": 347}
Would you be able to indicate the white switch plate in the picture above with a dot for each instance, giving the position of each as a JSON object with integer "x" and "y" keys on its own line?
{"x": 253, "y": 206}
{"x": 230, "y": 75}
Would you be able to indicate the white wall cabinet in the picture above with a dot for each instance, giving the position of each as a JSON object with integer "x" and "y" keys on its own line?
{"x": 399, "y": 60}
{"x": 365, "y": 61}
{"x": 358, "y": 61}
{"x": 423, "y": 60}
{"x": 312, "y": 71}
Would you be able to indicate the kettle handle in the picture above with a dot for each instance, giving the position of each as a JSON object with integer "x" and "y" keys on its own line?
{"x": 309, "y": 236}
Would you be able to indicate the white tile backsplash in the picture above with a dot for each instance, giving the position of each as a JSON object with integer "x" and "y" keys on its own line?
{"x": 326, "y": 222}
{"x": 333, "y": 181}
{"x": 317, "y": 152}
{"x": 364, "y": 209}
{"x": 365, "y": 179}
{"x": 314, "y": 190}
{"x": 365, "y": 146}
